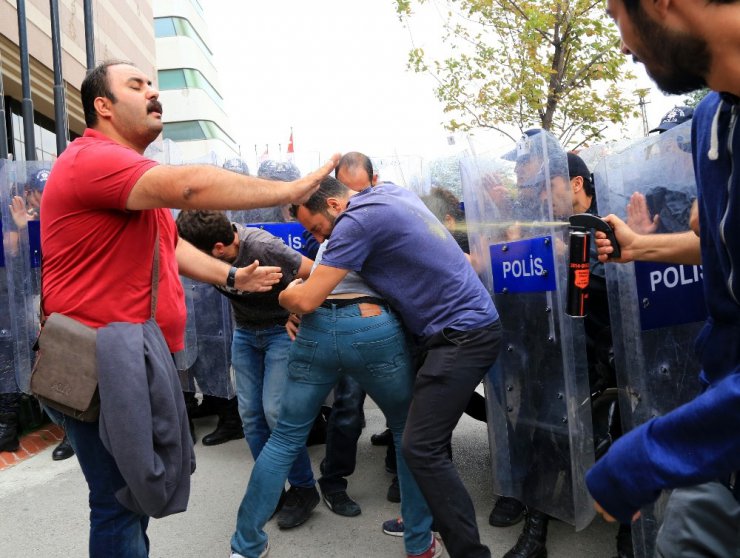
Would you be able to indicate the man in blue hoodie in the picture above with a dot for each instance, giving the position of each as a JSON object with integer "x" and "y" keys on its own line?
{"x": 695, "y": 449}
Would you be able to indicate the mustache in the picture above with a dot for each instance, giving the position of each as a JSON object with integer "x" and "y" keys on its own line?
{"x": 154, "y": 106}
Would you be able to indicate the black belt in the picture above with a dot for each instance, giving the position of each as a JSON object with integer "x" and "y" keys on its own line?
{"x": 343, "y": 302}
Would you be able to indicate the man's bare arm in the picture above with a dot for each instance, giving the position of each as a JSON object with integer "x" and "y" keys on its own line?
{"x": 209, "y": 187}
{"x": 305, "y": 269}
{"x": 302, "y": 297}
{"x": 678, "y": 248}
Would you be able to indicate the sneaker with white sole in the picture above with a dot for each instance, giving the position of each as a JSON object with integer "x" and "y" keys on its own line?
{"x": 393, "y": 527}
{"x": 263, "y": 554}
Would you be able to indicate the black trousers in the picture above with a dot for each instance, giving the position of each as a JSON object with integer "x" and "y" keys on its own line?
{"x": 454, "y": 363}
{"x": 342, "y": 432}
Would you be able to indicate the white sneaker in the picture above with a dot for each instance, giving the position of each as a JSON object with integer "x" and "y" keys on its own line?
{"x": 263, "y": 555}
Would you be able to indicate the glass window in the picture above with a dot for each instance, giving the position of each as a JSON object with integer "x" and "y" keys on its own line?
{"x": 181, "y": 27}
{"x": 183, "y": 131}
{"x": 164, "y": 27}
{"x": 171, "y": 79}
{"x": 195, "y": 130}
{"x": 182, "y": 78}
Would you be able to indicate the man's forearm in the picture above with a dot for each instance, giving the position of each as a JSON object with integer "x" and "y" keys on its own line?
{"x": 679, "y": 248}
{"x": 205, "y": 187}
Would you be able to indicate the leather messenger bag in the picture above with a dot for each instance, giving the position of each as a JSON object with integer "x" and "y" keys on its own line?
{"x": 65, "y": 375}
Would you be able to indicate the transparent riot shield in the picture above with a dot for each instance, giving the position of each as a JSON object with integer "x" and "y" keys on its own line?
{"x": 20, "y": 196}
{"x": 185, "y": 358}
{"x": 164, "y": 151}
{"x": 538, "y": 392}
{"x": 406, "y": 171}
{"x": 657, "y": 310}
{"x": 211, "y": 372}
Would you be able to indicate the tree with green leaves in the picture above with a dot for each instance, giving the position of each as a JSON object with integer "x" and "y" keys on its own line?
{"x": 553, "y": 64}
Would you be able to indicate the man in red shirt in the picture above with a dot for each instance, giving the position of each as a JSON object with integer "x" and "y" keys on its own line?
{"x": 103, "y": 206}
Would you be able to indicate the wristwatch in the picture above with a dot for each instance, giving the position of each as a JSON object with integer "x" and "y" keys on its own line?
{"x": 231, "y": 278}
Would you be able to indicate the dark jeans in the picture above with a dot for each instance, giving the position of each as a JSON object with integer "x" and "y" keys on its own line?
{"x": 115, "y": 531}
{"x": 455, "y": 363}
{"x": 342, "y": 433}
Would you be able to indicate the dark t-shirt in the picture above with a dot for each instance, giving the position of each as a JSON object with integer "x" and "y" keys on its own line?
{"x": 261, "y": 310}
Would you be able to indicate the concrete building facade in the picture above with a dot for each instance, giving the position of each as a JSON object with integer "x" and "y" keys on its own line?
{"x": 194, "y": 114}
{"x": 122, "y": 30}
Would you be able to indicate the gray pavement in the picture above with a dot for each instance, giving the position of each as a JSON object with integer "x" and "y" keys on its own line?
{"x": 43, "y": 507}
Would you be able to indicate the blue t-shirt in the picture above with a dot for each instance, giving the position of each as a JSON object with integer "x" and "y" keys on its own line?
{"x": 401, "y": 250}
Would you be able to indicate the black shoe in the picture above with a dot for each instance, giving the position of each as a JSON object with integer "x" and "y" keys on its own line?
{"x": 385, "y": 438}
{"x": 63, "y": 450}
{"x": 394, "y": 492}
{"x": 531, "y": 543}
{"x": 341, "y": 504}
{"x": 9, "y": 432}
{"x": 299, "y": 502}
{"x": 506, "y": 512}
{"x": 226, "y": 429}
{"x": 624, "y": 542}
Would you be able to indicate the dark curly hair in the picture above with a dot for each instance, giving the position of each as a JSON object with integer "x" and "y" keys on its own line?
{"x": 203, "y": 228}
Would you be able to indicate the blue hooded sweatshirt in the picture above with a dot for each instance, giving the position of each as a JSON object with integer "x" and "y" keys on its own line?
{"x": 699, "y": 441}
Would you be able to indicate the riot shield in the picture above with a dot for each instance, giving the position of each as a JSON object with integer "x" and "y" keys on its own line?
{"x": 164, "y": 151}
{"x": 22, "y": 183}
{"x": 539, "y": 411}
{"x": 407, "y": 171}
{"x": 211, "y": 372}
{"x": 185, "y": 358}
{"x": 657, "y": 310}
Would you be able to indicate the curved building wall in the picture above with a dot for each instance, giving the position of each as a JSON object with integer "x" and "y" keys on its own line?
{"x": 194, "y": 113}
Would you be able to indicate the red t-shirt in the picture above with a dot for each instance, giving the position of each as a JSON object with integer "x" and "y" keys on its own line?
{"x": 98, "y": 256}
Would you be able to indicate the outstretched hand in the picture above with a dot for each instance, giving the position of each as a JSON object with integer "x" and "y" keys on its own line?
{"x": 638, "y": 215}
{"x": 302, "y": 188}
{"x": 255, "y": 278}
{"x": 21, "y": 217}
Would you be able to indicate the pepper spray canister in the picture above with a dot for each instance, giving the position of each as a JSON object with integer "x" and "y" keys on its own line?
{"x": 579, "y": 273}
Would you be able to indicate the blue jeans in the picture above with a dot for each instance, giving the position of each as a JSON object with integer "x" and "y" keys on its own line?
{"x": 115, "y": 531}
{"x": 331, "y": 342}
{"x": 260, "y": 361}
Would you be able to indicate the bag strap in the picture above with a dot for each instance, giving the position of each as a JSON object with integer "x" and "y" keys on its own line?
{"x": 155, "y": 271}
{"x": 154, "y": 286}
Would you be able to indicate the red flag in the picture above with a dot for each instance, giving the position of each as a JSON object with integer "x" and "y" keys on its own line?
{"x": 290, "y": 142}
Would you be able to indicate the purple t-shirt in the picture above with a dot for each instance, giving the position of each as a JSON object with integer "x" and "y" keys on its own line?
{"x": 401, "y": 250}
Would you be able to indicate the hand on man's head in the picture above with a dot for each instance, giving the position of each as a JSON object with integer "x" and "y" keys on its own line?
{"x": 303, "y": 188}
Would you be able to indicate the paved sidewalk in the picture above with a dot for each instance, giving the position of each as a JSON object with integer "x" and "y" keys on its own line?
{"x": 32, "y": 444}
{"x": 44, "y": 511}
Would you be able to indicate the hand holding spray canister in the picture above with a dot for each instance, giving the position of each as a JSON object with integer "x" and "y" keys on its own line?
{"x": 579, "y": 265}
